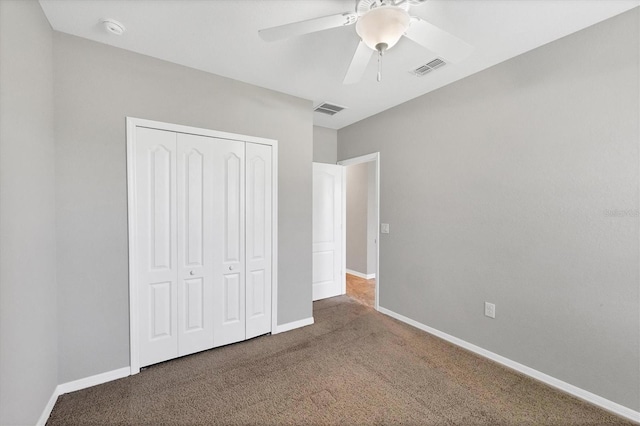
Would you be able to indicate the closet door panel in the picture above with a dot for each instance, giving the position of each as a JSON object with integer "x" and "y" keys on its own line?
{"x": 232, "y": 191}
{"x": 156, "y": 250}
{"x": 231, "y": 299}
{"x": 195, "y": 243}
{"x": 258, "y": 239}
{"x": 229, "y": 240}
{"x": 194, "y": 312}
{"x": 160, "y": 307}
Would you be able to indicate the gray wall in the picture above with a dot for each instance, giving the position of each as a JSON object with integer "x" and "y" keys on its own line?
{"x": 28, "y": 337}
{"x": 96, "y": 87}
{"x": 357, "y": 217}
{"x": 501, "y": 188}
{"x": 325, "y": 145}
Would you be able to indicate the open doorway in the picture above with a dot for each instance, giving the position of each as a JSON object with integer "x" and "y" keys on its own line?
{"x": 362, "y": 228}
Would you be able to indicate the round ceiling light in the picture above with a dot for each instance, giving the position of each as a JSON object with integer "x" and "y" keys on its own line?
{"x": 113, "y": 26}
{"x": 381, "y": 27}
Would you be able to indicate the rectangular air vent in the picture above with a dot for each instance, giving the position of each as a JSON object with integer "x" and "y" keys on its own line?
{"x": 428, "y": 67}
{"x": 329, "y": 109}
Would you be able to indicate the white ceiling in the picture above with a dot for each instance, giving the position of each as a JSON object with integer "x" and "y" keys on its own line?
{"x": 221, "y": 37}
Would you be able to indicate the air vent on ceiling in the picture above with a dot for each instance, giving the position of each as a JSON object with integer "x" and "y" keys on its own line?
{"x": 328, "y": 109}
{"x": 428, "y": 67}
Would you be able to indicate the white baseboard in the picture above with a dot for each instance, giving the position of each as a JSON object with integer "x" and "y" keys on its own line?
{"x": 98, "y": 379}
{"x": 76, "y": 385}
{"x": 293, "y": 325}
{"x": 545, "y": 378}
{"x": 48, "y": 409}
{"x": 360, "y": 274}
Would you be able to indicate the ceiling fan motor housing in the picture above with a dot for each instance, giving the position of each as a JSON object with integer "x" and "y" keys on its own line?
{"x": 364, "y": 6}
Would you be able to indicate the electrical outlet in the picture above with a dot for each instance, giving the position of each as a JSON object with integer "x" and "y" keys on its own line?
{"x": 384, "y": 228}
{"x": 489, "y": 310}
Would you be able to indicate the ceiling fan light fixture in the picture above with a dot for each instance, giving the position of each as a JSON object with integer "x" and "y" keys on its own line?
{"x": 382, "y": 27}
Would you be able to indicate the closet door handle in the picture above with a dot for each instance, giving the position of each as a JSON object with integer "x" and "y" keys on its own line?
{"x": 192, "y": 273}
{"x": 231, "y": 268}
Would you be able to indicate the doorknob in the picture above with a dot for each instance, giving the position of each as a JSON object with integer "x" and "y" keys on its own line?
{"x": 231, "y": 268}
{"x": 192, "y": 273}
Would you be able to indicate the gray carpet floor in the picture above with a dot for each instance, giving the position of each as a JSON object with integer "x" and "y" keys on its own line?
{"x": 354, "y": 366}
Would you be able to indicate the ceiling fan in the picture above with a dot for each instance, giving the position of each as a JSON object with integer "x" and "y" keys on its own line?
{"x": 379, "y": 24}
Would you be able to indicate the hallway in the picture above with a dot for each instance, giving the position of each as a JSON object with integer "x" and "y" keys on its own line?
{"x": 362, "y": 290}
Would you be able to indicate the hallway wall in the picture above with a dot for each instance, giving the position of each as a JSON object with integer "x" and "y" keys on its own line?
{"x": 357, "y": 223}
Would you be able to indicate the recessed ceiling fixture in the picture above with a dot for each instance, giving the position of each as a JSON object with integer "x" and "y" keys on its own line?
{"x": 113, "y": 27}
{"x": 380, "y": 24}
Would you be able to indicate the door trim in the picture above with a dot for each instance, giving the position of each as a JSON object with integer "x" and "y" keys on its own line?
{"x": 375, "y": 157}
{"x": 131, "y": 124}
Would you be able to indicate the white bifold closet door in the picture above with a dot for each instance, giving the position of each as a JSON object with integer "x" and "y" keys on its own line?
{"x": 204, "y": 242}
{"x": 258, "y": 247}
{"x": 157, "y": 245}
{"x": 196, "y": 245}
{"x": 229, "y": 236}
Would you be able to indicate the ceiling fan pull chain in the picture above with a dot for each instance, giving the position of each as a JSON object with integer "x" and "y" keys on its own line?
{"x": 379, "y": 66}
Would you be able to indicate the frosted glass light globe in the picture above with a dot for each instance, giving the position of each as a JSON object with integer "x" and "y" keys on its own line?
{"x": 382, "y": 27}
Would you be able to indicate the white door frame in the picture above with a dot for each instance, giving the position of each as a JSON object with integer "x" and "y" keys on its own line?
{"x": 132, "y": 123}
{"x": 375, "y": 157}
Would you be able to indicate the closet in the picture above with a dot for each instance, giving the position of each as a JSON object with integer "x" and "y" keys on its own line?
{"x": 202, "y": 241}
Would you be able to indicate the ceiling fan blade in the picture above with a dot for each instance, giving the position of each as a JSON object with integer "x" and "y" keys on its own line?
{"x": 447, "y": 46}
{"x": 309, "y": 26}
{"x": 358, "y": 64}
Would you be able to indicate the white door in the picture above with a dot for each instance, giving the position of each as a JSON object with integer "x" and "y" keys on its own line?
{"x": 203, "y": 215}
{"x": 195, "y": 200}
{"x": 229, "y": 237}
{"x": 328, "y": 242}
{"x": 157, "y": 248}
{"x": 258, "y": 239}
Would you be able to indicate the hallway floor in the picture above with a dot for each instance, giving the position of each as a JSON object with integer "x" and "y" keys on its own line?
{"x": 362, "y": 290}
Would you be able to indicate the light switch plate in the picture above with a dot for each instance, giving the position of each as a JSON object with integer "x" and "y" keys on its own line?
{"x": 384, "y": 228}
